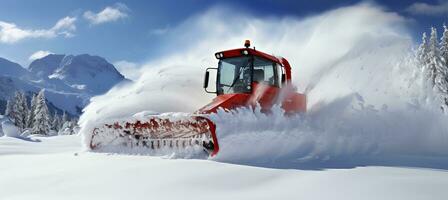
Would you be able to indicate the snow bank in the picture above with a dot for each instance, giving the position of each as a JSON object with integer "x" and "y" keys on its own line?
{"x": 9, "y": 129}
{"x": 364, "y": 93}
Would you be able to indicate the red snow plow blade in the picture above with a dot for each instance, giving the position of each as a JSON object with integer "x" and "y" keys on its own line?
{"x": 244, "y": 78}
{"x": 158, "y": 132}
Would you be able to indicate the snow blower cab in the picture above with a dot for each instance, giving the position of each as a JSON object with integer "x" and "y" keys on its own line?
{"x": 245, "y": 77}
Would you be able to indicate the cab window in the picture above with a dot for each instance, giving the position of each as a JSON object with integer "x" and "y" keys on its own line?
{"x": 265, "y": 72}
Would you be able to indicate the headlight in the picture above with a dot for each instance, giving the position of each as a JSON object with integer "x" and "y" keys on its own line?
{"x": 245, "y": 52}
{"x": 217, "y": 55}
{"x": 221, "y": 55}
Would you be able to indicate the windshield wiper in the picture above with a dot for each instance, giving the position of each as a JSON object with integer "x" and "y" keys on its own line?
{"x": 237, "y": 76}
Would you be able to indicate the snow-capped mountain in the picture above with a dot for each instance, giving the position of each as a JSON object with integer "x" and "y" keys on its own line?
{"x": 70, "y": 81}
{"x": 86, "y": 73}
{"x": 45, "y": 66}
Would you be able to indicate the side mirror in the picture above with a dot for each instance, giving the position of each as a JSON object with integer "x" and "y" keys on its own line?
{"x": 207, "y": 75}
{"x": 206, "y": 79}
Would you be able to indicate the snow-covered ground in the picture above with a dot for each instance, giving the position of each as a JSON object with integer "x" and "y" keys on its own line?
{"x": 56, "y": 168}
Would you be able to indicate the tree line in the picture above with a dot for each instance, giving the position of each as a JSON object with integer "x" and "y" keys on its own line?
{"x": 432, "y": 56}
{"x": 36, "y": 117}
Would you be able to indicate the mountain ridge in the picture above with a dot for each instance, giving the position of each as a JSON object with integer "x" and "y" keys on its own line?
{"x": 69, "y": 80}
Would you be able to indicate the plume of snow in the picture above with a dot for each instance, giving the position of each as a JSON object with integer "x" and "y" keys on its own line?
{"x": 128, "y": 69}
{"x": 39, "y": 54}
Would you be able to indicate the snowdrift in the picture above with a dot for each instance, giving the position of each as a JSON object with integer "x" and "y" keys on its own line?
{"x": 365, "y": 95}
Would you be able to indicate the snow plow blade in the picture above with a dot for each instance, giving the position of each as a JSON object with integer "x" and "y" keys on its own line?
{"x": 155, "y": 132}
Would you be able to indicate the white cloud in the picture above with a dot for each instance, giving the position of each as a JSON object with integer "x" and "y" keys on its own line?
{"x": 66, "y": 26}
{"x": 11, "y": 33}
{"x": 420, "y": 8}
{"x": 109, "y": 14}
{"x": 128, "y": 69}
{"x": 39, "y": 54}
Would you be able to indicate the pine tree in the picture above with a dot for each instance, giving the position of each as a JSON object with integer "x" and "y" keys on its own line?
{"x": 423, "y": 57}
{"x": 442, "y": 79}
{"x": 422, "y": 53}
{"x": 74, "y": 124}
{"x": 16, "y": 107}
{"x": 31, "y": 112}
{"x": 9, "y": 112}
{"x": 55, "y": 125}
{"x": 26, "y": 109}
{"x": 433, "y": 57}
{"x": 20, "y": 110}
{"x": 436, "y": 70}
{"x": 41, "y": 123}
{"x": 64, "y": 117}
{"x": 444, "y": 46}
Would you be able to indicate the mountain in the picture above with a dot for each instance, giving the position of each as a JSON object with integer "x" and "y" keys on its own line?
{"x": 69, "y": 80}
{"x": 46, "y": 66}
{"x": 8, "y": 68}
{"x": 86, "y": 73}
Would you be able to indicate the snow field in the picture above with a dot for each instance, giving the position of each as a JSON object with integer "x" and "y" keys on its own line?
{"x": 55, "y": 168}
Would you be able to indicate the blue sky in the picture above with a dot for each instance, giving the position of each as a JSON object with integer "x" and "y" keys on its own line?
{"x": 134, "y": 30}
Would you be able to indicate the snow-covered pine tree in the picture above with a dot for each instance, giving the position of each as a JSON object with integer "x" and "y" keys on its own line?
{"x": 444, "y": 46}
{"x": 422, "y": 52}
{"x": 63, "y": 120}
{"x": 69, "y": 127}
{"x": 436, "y": 69}
{"x": 26, "y": 108}
{"x": 41, "y": 124}
{"x": 55, "y": 125}
{"x": 74, "y": 126}
{"x": 31, "y": 112}
{"x": 444, "y": 68}
{"x": 433, "y": 57}
{"x": 66, "y": 128}
{"x": 9, "y": 112}
{"x": 20, "y": 109}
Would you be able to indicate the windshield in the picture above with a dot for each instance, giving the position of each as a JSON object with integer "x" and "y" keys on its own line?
{"x": 234, "y": 75}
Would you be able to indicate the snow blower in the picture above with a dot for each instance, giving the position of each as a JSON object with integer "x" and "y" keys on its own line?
{"x": 244, "y": 77}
